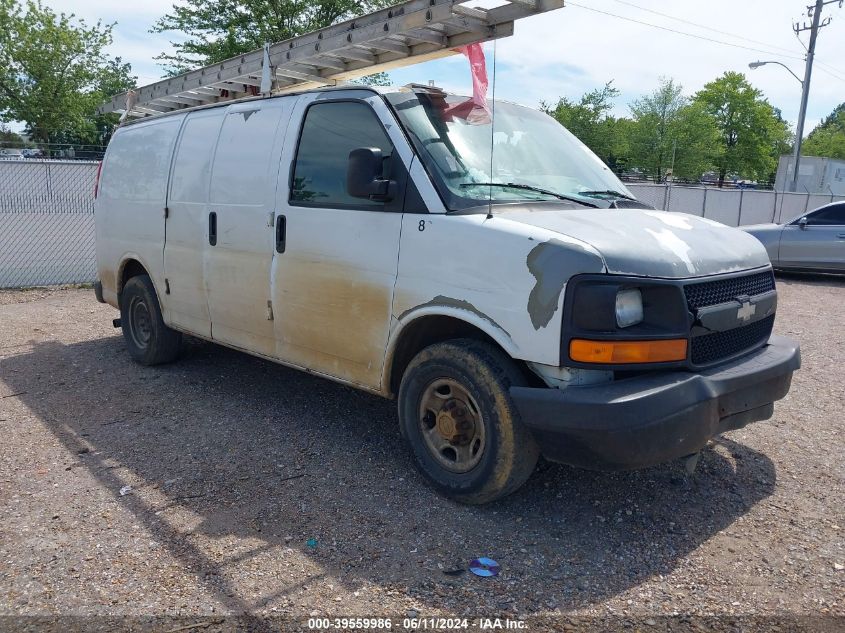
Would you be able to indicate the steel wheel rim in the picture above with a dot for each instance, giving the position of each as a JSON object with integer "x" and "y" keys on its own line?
{"x": 451, "y": 425}
{"x": 140, "y": 322}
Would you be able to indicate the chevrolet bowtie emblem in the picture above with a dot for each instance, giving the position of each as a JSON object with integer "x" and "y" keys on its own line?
{"x": 746, "y": 311}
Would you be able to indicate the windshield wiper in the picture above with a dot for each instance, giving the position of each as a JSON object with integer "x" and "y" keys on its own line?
{"x": 606, "y": 192}
{"x": 516, "y": 185}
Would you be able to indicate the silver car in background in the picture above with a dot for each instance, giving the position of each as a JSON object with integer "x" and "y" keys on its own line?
{"x": 814, "y": 242}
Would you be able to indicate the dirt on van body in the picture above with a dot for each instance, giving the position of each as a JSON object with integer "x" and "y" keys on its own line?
{"x": 224, "y": 485}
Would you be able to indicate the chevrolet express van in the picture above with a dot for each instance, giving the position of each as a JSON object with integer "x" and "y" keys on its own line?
{"x": 502, "y": 284}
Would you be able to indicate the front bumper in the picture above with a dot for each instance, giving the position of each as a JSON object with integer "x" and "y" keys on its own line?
{"x": 653, "y": 418}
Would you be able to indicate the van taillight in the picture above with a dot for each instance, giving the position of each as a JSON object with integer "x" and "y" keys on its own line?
{"x": 97, "y": 179}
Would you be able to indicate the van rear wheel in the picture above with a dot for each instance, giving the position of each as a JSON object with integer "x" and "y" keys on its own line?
{"x": 460, "y": 423}
{"x": 148, "y": 339}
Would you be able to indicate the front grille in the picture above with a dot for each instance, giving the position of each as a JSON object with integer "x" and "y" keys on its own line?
{"x": 710, "y": 293}
{"x": 713, "y": 347}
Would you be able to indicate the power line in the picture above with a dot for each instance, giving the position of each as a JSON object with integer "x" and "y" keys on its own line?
{"x": 684, "y": 33}
{"x": 829, "y": 70}
{"x": 707, "y": 28}
{"x": 833, "y": 71}
{"x": 826, "y": 68}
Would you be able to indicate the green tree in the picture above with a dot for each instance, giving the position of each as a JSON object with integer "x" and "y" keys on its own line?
{"x": 376, "y": 79}
{"x": 783, "y": 143}
{"x": 669, "y": 132}
{"x": 9, "y": 138}
{"x": 220, "y": 29}
{"x": 751, "y": 131}
{"x": 620, "y": 154}
{"x": 589, "y": 119}
{"x": 54, "y": 72}
{"x": 828, "y": 137}
{"x": 114, "y": 77}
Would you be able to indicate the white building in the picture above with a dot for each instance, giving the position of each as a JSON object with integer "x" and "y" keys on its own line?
{"x": 815, "y": 175}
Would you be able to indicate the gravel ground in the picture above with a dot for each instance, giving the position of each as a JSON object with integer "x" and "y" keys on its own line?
{"x": 226, "y": 485}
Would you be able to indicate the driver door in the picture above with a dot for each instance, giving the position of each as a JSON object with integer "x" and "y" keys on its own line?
{"x": 336, "y": 256}
{"x": 820, "y": 245}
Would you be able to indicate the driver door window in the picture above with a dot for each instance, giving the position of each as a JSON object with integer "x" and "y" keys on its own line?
{"x": 330, "y": 132}
{"x": 830, "y": 216}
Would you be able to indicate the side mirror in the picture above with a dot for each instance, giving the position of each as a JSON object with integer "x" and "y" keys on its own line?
{"x": 364, "y": 176}
{"x": 803, "y": 223}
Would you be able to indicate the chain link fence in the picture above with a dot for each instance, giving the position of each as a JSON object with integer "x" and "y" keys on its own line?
{"x": 46, "y": 222}
{"x": 734, "y": 207}
{"x": 47, "y": 216}
{"x": 20, "y": 149}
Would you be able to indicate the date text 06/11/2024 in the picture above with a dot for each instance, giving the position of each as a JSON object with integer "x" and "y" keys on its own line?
{"x": 417, "y": 624}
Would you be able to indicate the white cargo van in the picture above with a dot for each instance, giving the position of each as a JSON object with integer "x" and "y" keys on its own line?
{"x": 516, "y": 304}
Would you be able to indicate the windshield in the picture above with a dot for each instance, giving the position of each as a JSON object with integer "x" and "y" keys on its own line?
{"x": 531, "y": 151}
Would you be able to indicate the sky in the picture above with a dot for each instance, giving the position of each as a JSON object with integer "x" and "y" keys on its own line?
{"x": 586, "y": 44}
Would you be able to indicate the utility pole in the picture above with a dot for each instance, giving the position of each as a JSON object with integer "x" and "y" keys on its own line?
{"x": 814, "y": 12}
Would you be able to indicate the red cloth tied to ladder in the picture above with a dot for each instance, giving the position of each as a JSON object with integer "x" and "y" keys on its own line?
{"x": 474, "y": 110}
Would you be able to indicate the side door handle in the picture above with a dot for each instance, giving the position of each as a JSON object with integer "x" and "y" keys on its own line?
{"x": 281, "y": 233}
{"x": 212, "y": 228}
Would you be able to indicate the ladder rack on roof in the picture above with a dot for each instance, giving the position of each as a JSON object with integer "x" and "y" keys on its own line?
{"x": 407, "y": 33}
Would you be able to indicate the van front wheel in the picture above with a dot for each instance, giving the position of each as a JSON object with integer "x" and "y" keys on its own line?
{"x": 148, "y": 339}
{"x": 460, "y": 423}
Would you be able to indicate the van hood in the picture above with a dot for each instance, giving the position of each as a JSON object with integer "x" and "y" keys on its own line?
{"x": 647, "y": 242}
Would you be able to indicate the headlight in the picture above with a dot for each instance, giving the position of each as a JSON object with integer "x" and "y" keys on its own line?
{"x": 617, "y": 320}
{"x": 629, "y": 307}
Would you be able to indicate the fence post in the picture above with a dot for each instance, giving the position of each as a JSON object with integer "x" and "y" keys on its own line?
{"x": 665, "y": 197}
{"x": 739, "y": 215}
{"x": 807, "y": 202}
{"x": 48, "y": 180}
{"x": 704, "y": 203}
{"x": 775, "y": 208}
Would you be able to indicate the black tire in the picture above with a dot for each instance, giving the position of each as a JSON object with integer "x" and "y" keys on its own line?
{"x": 507, "y": 453}
{"x": 148, "y": 339}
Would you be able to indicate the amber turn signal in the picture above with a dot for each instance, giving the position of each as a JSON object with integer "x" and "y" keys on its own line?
{"x": 627, "y": 352}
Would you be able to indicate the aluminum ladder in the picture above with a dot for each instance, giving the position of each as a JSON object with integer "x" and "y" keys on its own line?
{"x": 404, "y": 34}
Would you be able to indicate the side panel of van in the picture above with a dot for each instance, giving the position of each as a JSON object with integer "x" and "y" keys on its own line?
{"x": 186, "y": 222}
{"x": 131, "y": 201}
{"x": 238, "y": 247}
